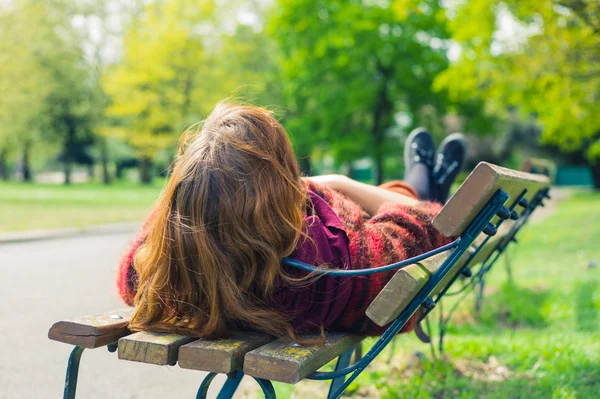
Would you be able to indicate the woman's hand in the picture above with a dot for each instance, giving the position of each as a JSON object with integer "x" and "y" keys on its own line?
{"x": 334, "y": 182}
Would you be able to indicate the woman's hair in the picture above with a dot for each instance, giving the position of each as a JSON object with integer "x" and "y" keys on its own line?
{"x": 233, "y": 207}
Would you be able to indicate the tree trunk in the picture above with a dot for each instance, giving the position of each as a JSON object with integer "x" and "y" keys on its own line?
{"x": 26, "y": 168}
{"x": 104, "y": 161}
{"x": 119, "y": 170}
{"x": 67, "y": 170}
{"x": 145, "y": 170}
{"x": 595, "y": 168}
{"x": 3, "y": 166}
{"x": 378, "y": 161}
{"x": 381, "y": 115}
{"x": 68, "y": 149}
{"x": 90, "y": 170}
{"x": 305, "y": 165}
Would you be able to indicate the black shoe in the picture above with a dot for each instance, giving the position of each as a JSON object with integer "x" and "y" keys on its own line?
{"x": 419, "y": 148}
{"x": 449, "y": 161}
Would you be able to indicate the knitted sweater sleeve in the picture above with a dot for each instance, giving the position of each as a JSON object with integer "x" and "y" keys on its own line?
{"x": 127, "y": 278}
{"x": 126, "y": 274}
{"x": 395, "y": 233}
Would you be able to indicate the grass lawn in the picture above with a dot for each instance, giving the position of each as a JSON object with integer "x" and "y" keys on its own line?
{"x": 538, "y": 337}
{"x": 41, "y": 206}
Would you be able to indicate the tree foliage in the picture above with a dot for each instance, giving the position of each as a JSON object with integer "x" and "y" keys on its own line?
{"x": 43, "y": 79}
{"x": 350, "y": 67}
{"x": 541, "y": 56}
{"x": 348, "y": 78}
{"x": 152, "y": 87}
{"x": 178, "y": 61}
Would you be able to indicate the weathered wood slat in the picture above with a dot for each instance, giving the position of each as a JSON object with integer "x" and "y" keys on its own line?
{"x": 152, "y": 347}
{"x": 222, "y": 355}
{"x": 397, "y": 294}
{"x": 435, "y": 262}
{"x": 477, "y": 190}
{"x": 92, "y": 331}
{"x": 284, "y": 360}
{"x": 407, "y": 282}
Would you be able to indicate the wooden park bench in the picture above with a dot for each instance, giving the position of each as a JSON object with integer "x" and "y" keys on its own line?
{"x": 483, "y": 216}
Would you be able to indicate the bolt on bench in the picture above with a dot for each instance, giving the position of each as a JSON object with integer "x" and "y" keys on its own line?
{"x": 484, "y": 216}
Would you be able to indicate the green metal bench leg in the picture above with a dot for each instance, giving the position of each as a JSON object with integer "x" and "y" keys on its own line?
{"x": 358, "y": 352}
{"x": 203, "y": 390}
{"x": 231, "y": 385}
{"x": 228, "y": 389}
{"x": 72, "y": 373}
{"x": 267, "y": 388}
{"x": 342, "y": 363}
{"x": 479, "y": 297}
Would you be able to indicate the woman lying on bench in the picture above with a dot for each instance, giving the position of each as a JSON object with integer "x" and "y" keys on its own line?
{"x": 208, "y": 261}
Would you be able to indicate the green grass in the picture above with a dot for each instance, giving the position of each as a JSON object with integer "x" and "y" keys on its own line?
{"x": 41, "y": 206}
{"x": 537, "y": 337}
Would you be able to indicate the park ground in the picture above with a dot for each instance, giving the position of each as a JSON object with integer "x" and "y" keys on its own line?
{"x": 538, "y": 335}
{"x": 48, "y": 206}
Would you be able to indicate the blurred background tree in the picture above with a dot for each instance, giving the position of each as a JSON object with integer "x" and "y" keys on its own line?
{"x": 350, "y": 67}
{"x": 114, "y": 83}
{"x": 544, "y": 61}
{"x": 152, "y": 87}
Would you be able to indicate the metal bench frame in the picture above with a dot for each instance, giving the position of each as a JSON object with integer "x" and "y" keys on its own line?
{"x": 345, "y": 373}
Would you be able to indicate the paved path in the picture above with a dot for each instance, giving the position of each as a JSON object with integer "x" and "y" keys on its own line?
{"x": 44, "y": 281}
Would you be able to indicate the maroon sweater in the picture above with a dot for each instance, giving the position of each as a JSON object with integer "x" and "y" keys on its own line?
{"x": 394, "y": 233}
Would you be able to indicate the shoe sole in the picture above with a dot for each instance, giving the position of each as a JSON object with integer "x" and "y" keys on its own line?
{"x": 409, "y": 139}
{"x": 456, "y": 137}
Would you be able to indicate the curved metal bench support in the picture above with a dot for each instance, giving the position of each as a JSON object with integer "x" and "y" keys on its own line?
{"x": 72, "y": 372}
{"x": 342, "y": 363}
{"x": 481, "y": 222}
{"x": 231, "y": 385}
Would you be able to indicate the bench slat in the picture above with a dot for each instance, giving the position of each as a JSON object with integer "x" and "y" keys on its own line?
{"x": 435, "y": 262}
{"x": 92, "y": 331}
{"x": 223, "y": 355}
{"x": 397, "y": 294}
{"x": 477, "y": 190}
{"x": 152, "y": 347}
{"x": 284, "y": 360}
{"x": 402, "y": 288}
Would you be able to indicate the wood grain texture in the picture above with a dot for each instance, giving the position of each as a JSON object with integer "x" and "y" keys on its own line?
{"x": 92, "y": 331}
{"x": 397, "y": 294}
{"x": 477, "y": 190}
{"x": 403, "y": 287}
{"x": 435, "y": 262}
{"x": 284, "y": 360}
{"x": 222, "y": 355}
{"x": 151, "y": 347}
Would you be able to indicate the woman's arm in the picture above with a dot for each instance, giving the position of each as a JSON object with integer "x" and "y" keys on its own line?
{"x": 370, "y": 198}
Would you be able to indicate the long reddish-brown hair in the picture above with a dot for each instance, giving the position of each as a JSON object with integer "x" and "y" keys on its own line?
{"x": 233, "y": 207}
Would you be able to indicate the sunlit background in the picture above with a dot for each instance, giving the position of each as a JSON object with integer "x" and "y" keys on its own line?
{"x": 101, "y": 90}
{"x": 94, "y": 95}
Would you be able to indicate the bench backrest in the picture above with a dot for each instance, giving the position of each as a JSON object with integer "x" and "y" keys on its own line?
{"x": 477, "y": 190}
{"x": 485, "y": 180}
